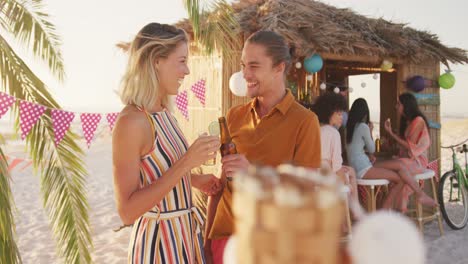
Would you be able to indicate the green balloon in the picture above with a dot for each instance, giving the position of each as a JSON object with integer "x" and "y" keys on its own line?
{"x": 446, "y": 80}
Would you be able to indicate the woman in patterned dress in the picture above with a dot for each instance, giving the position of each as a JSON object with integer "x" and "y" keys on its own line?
{"x": 414, "y": 142}
{"x": 151, "y": 158}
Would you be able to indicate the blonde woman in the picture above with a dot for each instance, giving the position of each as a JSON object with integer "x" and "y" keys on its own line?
{"x": 151, "y": 157}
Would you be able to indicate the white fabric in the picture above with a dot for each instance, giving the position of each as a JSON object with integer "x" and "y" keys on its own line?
{"x": 360, "y": 174}
{"x": 168, "y": 215}
{"x": 372, "y": 182}
{"x": 427, "y": 174}
{"x": 331, "y": 147}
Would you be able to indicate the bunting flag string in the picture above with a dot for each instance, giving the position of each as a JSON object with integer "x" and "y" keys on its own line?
{"x": 30, "y": 113}
{"x": 199, "y": 90}
{"x": 61, "y": 119}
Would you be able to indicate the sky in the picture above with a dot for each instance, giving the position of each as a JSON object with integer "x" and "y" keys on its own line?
{"x": 90, "y": 29}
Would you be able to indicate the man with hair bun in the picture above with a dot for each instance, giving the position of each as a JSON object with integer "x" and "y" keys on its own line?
{"x": 269, "y": 130}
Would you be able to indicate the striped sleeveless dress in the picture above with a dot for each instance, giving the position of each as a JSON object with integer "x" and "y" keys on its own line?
{"x": 170, "y": 232}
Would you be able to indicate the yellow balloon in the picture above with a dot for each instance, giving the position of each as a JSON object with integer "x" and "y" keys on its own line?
{"x": 386, "y": 65}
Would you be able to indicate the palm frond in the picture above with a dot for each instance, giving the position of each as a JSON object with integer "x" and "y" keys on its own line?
{"x": 216, "y": 28}
{"x": 32, "y": 28}
{"x": 3, "y": 22}
{"x": 221, "y": 30}
{"x": 193, "y": 11}
{"x": 8, "y": 247}
{"x": 62, "y": 173}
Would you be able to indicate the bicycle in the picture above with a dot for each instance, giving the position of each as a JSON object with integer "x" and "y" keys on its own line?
{"x": 453, "y": 191}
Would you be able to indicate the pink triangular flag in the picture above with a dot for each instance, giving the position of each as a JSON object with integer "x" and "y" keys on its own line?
{"x": 29, "y": 114}
{"x": 111, "y": 117}
{"x": 15, "y": 162}
{"x": 28, "y": 163}
{"x": 89, "y": 124}
{"x": 182, "y": 103}
{"x": 5, "y": 103}
{"x": 198, "y": 89}
{"x": 61, "y": 121}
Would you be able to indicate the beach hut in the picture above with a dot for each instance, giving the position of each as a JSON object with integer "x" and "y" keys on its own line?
{"x": 348, "y": 44}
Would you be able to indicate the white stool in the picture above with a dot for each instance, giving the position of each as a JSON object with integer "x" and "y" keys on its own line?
{"x": 372, "y": 191}
{"x": 420, "y": 218}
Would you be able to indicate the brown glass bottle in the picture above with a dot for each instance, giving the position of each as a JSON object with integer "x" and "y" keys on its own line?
{"x": 377, "y": 145}
{"x": 227, "y": 146}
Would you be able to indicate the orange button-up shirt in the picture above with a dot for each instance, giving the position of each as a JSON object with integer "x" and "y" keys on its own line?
{"x": 288, "y": 134}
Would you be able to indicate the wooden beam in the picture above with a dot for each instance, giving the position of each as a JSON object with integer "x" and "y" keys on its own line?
{"x": 354, "y": 72}
{"x": 358, "y": 58}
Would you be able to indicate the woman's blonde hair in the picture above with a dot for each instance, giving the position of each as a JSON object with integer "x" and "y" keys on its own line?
{"x": 140, "y": 83}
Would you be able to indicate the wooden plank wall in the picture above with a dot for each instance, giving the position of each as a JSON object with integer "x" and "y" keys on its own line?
{"x": 388, "y": 99}
{"x": 430, "y": 71}
{"x": 210, "y": 69}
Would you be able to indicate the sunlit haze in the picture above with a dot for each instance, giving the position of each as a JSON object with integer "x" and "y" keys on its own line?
{"x": 94, "y": 66}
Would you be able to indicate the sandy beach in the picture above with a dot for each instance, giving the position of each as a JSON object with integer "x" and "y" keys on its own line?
{"x": 451, "y": 248}
{"x": 35, "y": 238}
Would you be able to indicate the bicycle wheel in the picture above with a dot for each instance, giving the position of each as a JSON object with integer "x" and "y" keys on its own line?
{"x": 453, "y": 205}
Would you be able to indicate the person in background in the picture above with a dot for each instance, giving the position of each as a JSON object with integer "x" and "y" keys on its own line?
{"x": 329, "y": 108}
{"x": 270, "y": 130}
{"x": 151, "y": 158}
{"x": 359, "y": 139}
{"x": 414, "y": 142}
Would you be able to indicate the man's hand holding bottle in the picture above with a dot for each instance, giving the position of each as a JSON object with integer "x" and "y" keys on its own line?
{"x": 233, "y": 163}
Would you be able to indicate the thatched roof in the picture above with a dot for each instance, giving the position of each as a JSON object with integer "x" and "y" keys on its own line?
{"x": 315, "y": 27}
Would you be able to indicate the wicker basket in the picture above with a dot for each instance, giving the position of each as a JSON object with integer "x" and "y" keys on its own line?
{"x": 269, "y": 231}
